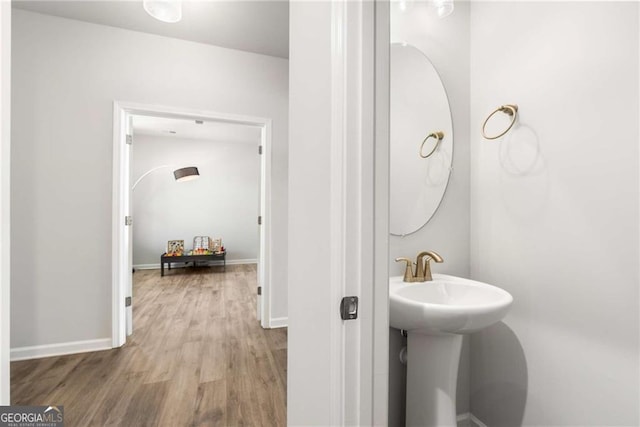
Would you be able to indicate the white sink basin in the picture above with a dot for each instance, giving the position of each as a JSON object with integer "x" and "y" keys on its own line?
{"x": 448, "y": 304}
{"x": 435, "y": 314}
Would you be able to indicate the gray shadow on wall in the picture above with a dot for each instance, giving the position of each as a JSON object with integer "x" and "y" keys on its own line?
{"x": 438, "y": 168}
{"x": 397, "y": 379}
{"x": 524, "y": 178}
{"x": 499, "y": 377}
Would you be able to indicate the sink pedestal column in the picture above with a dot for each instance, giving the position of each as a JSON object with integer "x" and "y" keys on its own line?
{"x": 432, "y": 376}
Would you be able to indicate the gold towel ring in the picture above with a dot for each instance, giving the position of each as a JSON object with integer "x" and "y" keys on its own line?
{"x": 438, "y": 137}
{"x": 510, "y": 109}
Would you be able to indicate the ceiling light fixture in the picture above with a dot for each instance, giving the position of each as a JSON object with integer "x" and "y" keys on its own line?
{"x": 444, "y": 8}
{"x": 169, "y": 11}
{"x": 405, "y": 5}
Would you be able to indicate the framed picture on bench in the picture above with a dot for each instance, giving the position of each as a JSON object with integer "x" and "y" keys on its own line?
{"x": 175, "y": 247}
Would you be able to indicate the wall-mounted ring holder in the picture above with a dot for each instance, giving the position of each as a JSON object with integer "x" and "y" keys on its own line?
{"x": 438, "y": 136}
{"x": 509, "y": 109}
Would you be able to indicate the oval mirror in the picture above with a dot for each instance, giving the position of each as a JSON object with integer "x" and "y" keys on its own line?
{"x": 420, "y": 115}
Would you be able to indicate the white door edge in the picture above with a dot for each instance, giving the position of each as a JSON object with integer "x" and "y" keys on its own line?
{"x": 5, "y": 189}
{"x": 332, "y": 365}
{"x": 118, "y": 245}
{"x": 362, "y": 98}
{"x": 121, "y": 112}
{"x": 264, "y": 301}
{"x": 128, "y": 200}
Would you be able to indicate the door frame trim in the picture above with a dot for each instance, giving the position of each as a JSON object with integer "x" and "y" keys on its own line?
{"x": 361, "y": 131}
{"x": 121, "y": 111}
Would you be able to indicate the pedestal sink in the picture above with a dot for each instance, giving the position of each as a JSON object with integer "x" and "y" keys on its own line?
{"x": 435, "y": 314}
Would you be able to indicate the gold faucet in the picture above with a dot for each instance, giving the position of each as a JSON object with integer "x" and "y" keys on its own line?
{"x": 423, "y": 268}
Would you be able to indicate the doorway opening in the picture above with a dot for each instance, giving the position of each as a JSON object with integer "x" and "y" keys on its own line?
{"x": 122, "y": 251}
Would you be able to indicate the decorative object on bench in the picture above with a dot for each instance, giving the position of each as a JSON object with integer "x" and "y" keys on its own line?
{"x": 175, "y": 247}
{"x": 202, "y": 244}
{"x": 200, "y": 251}
{"x": 205, "y": 244}
{"x": 168, "y": 259}
{"x": 217, "y": 246}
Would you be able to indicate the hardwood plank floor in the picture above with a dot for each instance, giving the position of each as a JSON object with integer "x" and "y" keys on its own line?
{"x": 197, "y": 357}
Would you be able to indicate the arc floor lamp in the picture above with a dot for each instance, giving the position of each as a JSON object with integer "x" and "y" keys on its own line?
{"x": 181, "y": 174}
{"x": 186, "y": 173}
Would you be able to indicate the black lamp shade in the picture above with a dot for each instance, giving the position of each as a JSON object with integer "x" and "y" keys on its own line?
{"x": 186, "y": 174}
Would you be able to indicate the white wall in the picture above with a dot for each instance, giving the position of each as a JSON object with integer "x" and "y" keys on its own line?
{"x": 309, "y": 191}
{"x": 446, "y": 43}
{"x": 554, "y": 212}
{"x": 223, "y": 203}
{"x": 5, "y": 156}
{"x": 66, "y": 76}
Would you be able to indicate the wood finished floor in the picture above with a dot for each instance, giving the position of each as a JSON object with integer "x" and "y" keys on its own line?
{"x": 197, "y": 357}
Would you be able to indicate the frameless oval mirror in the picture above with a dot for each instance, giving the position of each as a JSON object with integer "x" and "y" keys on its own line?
{"x": 420, "y": 124}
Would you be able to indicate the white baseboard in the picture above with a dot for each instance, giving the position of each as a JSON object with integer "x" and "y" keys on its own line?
{"x": 468, "y": 419}
{"x": 48, "y": 350}
{"x": 279, "y": 322}
{"x": 476, "y": 421}
{"x": 146, "y": 267}
{"x": 229, "y": 262}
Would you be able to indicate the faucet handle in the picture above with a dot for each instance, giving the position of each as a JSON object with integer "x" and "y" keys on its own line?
{"x": 408, "y": 272}
{"x": 420, "y": 265}
{"x": 428, "y": 256}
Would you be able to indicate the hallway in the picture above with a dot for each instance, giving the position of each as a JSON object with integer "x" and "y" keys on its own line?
{"x": 197, "y": 357}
